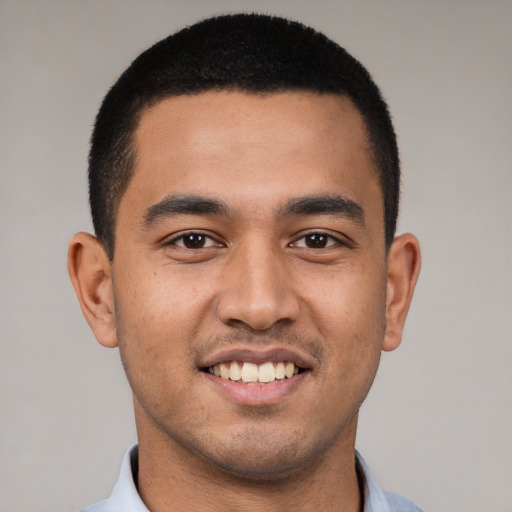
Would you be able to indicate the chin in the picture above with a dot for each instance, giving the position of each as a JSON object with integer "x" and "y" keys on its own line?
{"x": 265, "y": 470}
{"x": 265, "y": 458}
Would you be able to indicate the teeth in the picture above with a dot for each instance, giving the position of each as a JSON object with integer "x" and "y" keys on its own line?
{"x": 250, "y": 372}
{"x": 280, "y": 373}
{"x": 224, "y": 370}
{"x": 235, "y": 371}
{"x": 267, "y": 372}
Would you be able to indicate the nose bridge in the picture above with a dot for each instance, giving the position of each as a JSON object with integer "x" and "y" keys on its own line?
{"x": 258, "y": 290}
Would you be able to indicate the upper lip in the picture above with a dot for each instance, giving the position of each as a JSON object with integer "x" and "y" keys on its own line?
{"x": 256, "y": 356}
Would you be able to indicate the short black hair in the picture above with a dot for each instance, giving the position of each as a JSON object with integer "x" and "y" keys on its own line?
{"x": 254, "y": 53}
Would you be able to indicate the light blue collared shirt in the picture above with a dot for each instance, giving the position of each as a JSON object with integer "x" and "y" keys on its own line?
{"x": 125, "y": 498}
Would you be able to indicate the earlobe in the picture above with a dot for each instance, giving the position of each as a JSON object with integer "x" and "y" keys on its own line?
{"x": 404, "y": 263}
{"x": 90, "y": 272}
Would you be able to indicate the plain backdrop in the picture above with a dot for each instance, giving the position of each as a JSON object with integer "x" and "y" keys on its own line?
{"x": 437, "y": 426}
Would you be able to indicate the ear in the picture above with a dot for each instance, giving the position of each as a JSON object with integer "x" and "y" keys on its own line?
{"x": 90, "y": 272}
{"x": 404, "y": 263}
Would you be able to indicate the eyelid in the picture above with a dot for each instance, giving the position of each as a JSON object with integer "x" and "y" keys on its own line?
{"x": 338, "y": 239}
{"x": 172, "y": 241}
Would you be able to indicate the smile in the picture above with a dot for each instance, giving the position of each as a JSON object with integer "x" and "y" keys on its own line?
{"x": 251, "y": 373}
{"x": 256, "y": 376}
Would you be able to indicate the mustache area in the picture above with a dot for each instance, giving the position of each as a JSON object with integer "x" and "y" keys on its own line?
{"x": 247, "y": 339}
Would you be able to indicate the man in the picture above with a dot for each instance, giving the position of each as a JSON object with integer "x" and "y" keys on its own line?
{"x": 244, "y": 183}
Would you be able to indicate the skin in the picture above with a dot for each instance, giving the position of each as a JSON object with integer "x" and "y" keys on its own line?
{"x": 258, "y": 283}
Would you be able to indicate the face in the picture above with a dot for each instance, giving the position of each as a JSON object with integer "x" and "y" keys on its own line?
{"x": 249, "y": 277}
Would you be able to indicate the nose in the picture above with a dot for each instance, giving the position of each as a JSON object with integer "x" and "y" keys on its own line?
{"x": 258, "y": 291}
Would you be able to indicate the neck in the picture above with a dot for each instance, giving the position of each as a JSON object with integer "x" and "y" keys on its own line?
{"x": 170, "y": 478}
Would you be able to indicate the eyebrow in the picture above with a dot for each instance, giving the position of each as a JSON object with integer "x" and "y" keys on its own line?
{"x": 183, "y": 205}
{"x": 324, "y": 205}
{"x": 327, "y": 204}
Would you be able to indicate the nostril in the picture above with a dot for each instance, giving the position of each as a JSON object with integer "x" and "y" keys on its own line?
{"x": 256, "y": 319}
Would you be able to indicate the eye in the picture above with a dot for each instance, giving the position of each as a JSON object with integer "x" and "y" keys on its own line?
{"x": 316, "y": 241}
{"x": 194, "y": 241}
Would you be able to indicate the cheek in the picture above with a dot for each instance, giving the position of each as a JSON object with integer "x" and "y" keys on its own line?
{"x": 349, "y": 304}
{"x": 159, "y": 311}
{"x": 147, "y": 323}
{"x": 154, "y": 356}
{"x": 350, "y": 317}
{"x": 161, "y": 298}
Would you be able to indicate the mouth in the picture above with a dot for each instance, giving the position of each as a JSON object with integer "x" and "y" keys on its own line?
{"x": 257, "y": 366}
{"x": 251, "y": 373}
{"x": 257, "y": 376}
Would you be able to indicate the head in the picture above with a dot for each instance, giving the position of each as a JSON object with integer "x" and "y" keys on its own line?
{"x": 256, "y": 54}
{"x": 248, "y": 169}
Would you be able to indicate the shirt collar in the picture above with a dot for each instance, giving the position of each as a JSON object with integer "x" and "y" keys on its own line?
{"x": 377, "y": 500}
{"x": 374, "y": 497}
{"x": 125, "y": 496}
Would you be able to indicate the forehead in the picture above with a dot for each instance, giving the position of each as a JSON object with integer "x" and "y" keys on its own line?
{"x": 251, "y": 148}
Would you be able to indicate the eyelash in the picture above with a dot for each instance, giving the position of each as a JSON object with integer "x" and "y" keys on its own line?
{"x": 321, "y": 236}
{"x": 330, "y": 240}
{"x": 182, "y": 237}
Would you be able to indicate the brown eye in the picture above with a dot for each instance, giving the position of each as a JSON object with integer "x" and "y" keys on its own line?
{"x": 316, "y": 241}
{"x": 194, "y": 241}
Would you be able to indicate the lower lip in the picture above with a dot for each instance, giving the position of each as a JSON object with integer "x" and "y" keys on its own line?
{"x": 256, "y": 394}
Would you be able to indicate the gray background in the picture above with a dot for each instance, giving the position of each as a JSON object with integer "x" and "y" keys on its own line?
{"x": 437, "y": 424}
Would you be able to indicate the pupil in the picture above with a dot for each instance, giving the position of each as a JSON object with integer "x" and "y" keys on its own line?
{"x": 316, "y": 241}
{"x": 194, "y": 241}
